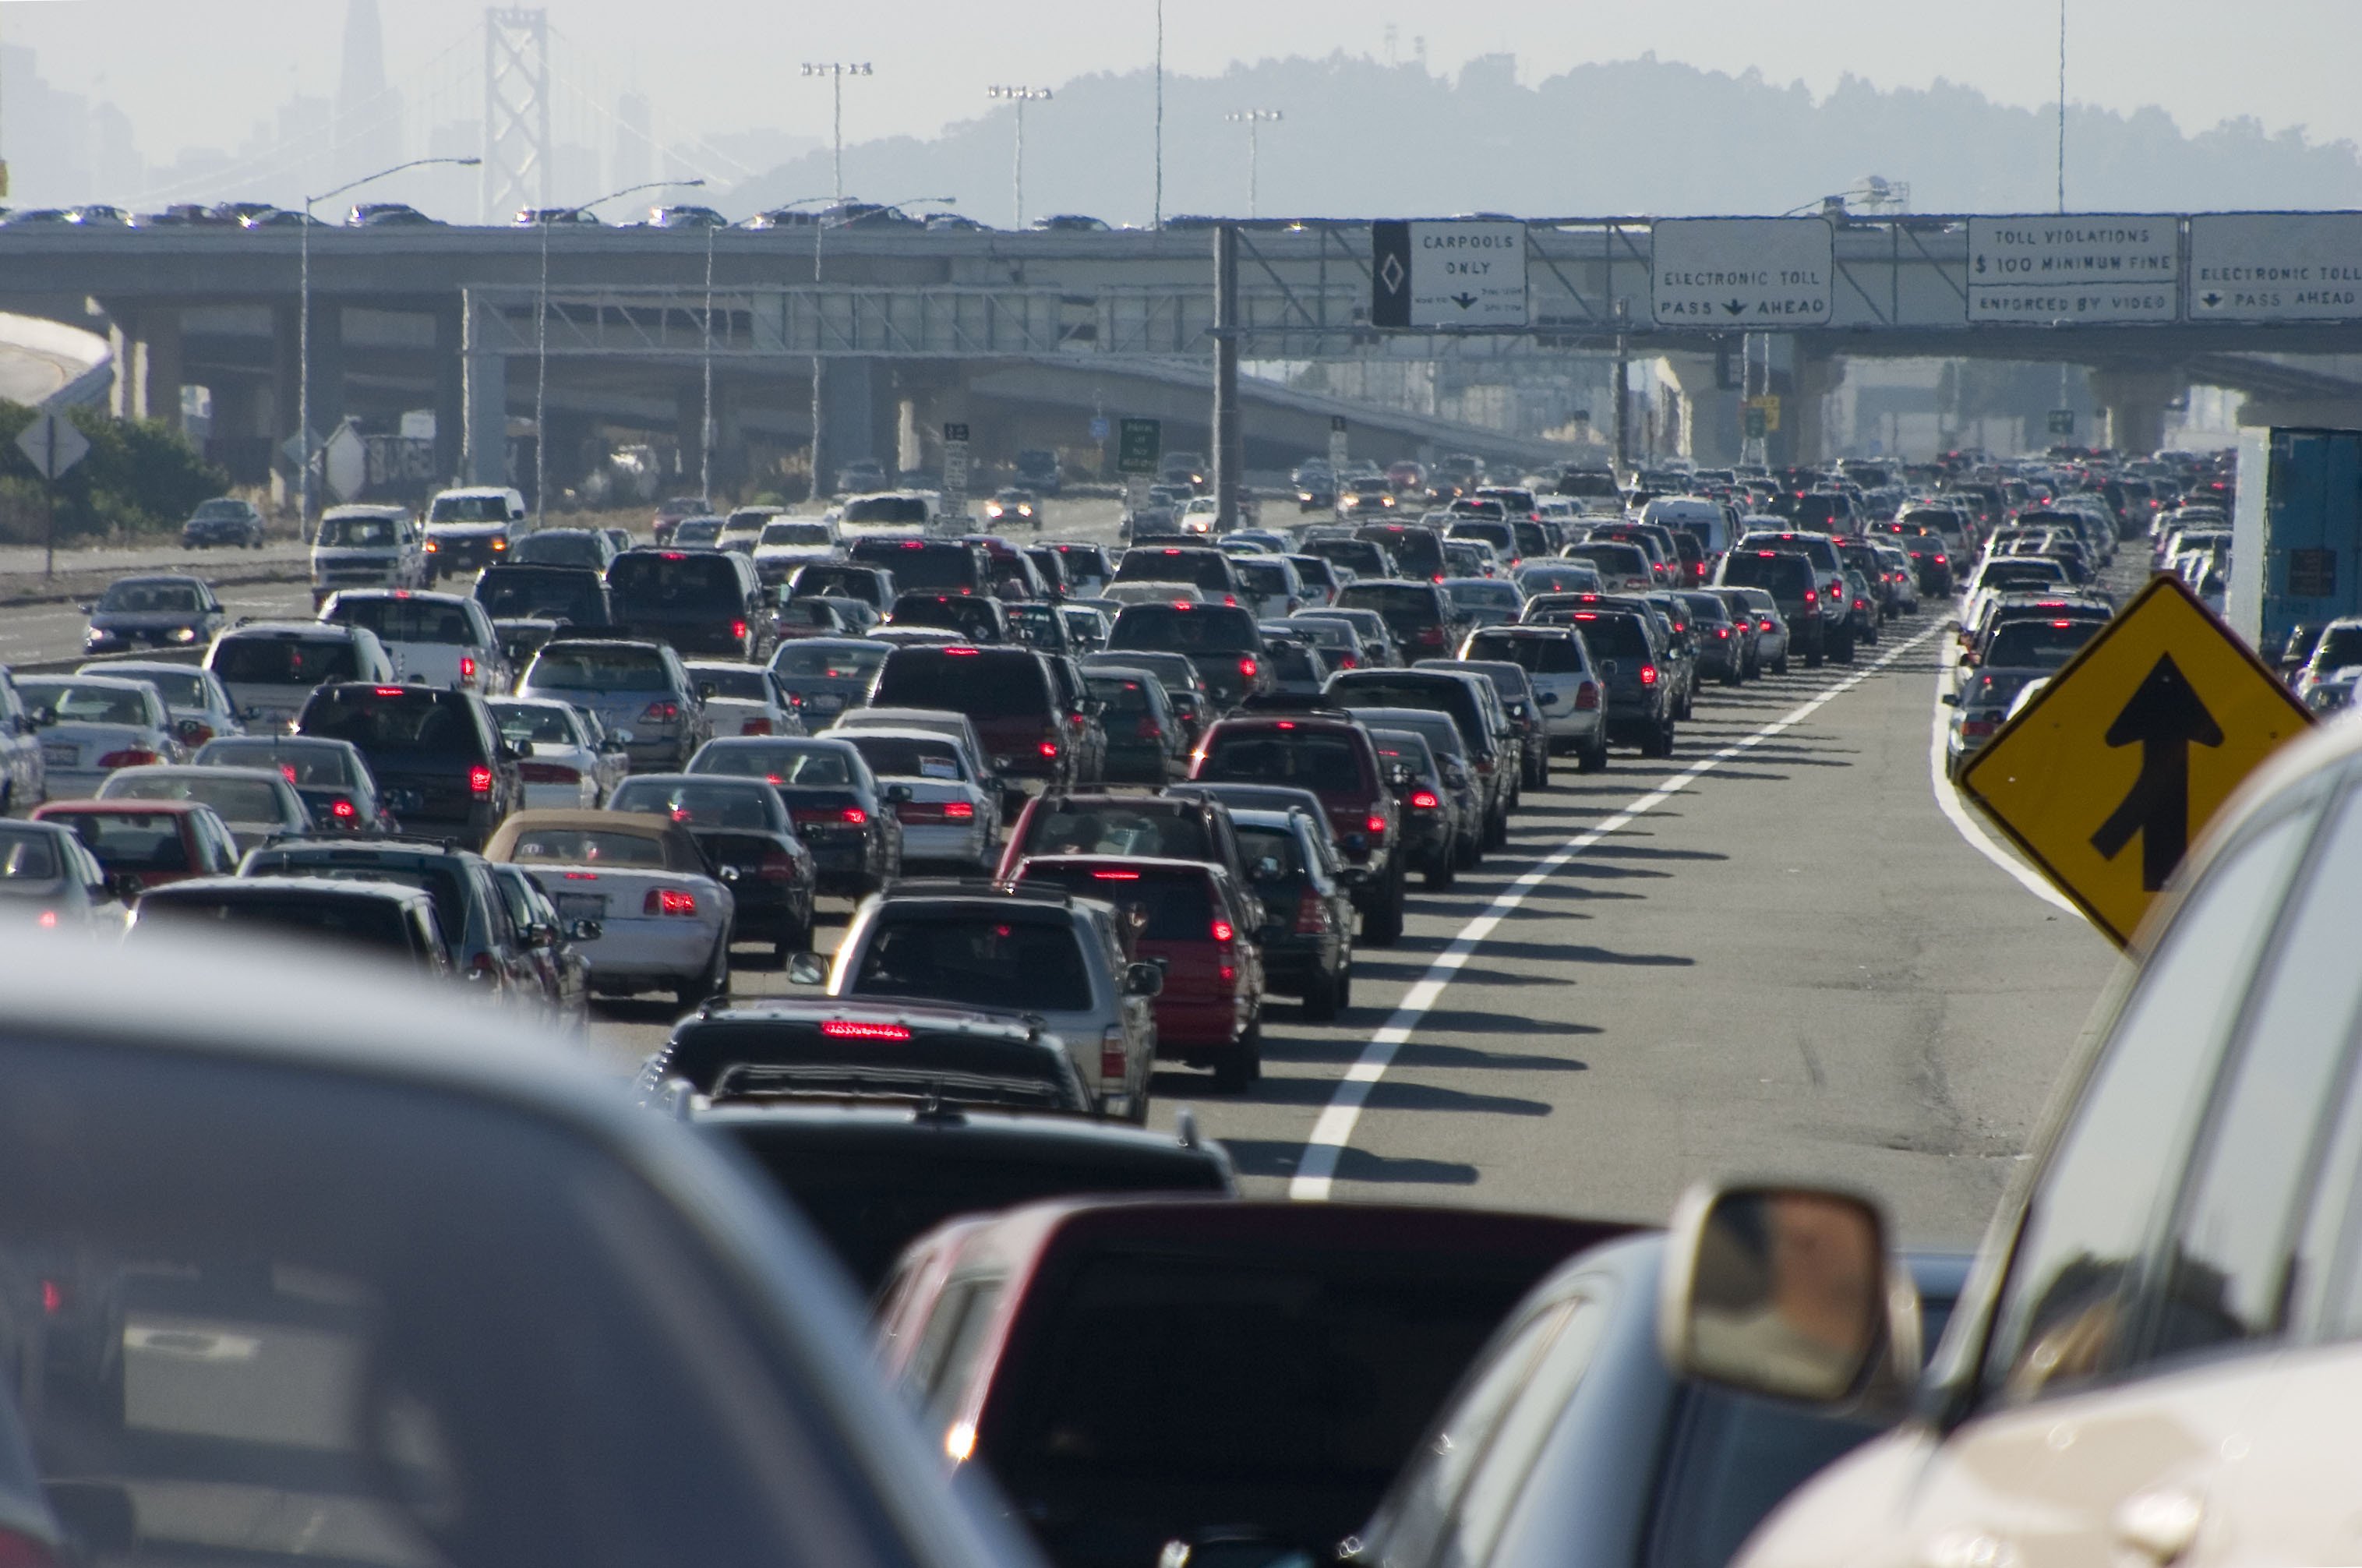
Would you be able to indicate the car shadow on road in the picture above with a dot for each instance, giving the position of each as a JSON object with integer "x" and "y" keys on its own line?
{"x": 1272, "y": 1158}
{"x": 1343, "y": 1048}
{"x": 1379, "y": 969}
{"x": 1543, "y": 952}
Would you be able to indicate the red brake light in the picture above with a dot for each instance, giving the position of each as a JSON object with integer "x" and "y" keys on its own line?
{"x": 1117, "y": 876}
{"x": 755, "y": 727}
{"x": 288, "y": 768}
{"x": 847, "y": 1029}
{"x": 1225, "y": 931}
{"x": 1376, "y": 824}
{"x": 668, "y": 901}
{"x": 467, "y": 668}
{"x": 1183, "y": 604}
{"x": 737, "y": 628}
{"x": 961, "y": 653}
{"x": 675, "y": 556}
{"x": 1586, "y": 696}
{"x": 342, "y": 809}
{"x": 480, "y": 779}
{"x": 777, "y": 865}
{"x": 129, "y": 760}
{"x": 1050, "y": 748}
{"x": 852, "y": 816}
{"x": 389, "y": 690}
{"x": 1425, "y": 800}
{"x": 48, "y": 923}
{"x": 1247, "y": 667}
{"x": 660, "y": 712}
{"x": 1648, "y": 675}
{"x": 958, "y": 812}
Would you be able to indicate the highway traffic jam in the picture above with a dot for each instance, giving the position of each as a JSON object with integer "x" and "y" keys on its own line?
{"x": 949, "y": 849}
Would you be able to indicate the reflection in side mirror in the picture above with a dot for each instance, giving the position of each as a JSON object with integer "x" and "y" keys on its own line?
{"x": 1143, "y": 981}
{"x": 584, "y": 930}
{"x": 899, "y": 794}
{"x": 126, "y": 886}
{"x": 1268, "y": 870}
{"x": 807, "y": 969}
{"x": 1788, "y": 1292}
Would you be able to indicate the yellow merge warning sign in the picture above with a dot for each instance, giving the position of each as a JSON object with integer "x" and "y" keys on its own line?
{"x": 2110, "y": 771}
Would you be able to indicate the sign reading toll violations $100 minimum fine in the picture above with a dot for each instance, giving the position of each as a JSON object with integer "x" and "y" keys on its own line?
{"x": 2109, "y": 775}
{"x": 2078, "y": 267}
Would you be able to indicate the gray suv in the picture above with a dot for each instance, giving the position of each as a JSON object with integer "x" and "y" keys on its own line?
{"x": 641, "y": 692}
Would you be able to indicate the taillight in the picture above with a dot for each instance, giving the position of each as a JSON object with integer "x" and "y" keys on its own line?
{"x": 546, "y": 773}
{"x": 342, "y": 810}
{"x": 958, "y": 812}
{"x": 1431, "y": 636}
{"x": 738, "y": 630}
{"x": 480, "y": 779}
{"x": 1115, "y": 1060}
{"x": 1312, "y": 914}
{"x": 1722, "y": 632}
{"x": 200, "y": 734}
{"x": 756, "y": 727}
{"x": 777, "y": 865}
{"x": 47, "y": 922}
{"x": 852, "y": 816}
{"x": 1348, "y": 662}
{"x": 1586, "y": 696}
{"x": 1648, "y": 675}
{"x": 668, "y": 901}
{"x": 128, "y": 759}
{"x": 1247, "y": 669}
{"x": 1978, "y": 727}
{"x": 467, "y": 668}
{"x": 660, "y": 712}
{"x": 852, "y": 1029}
{"x": 1148, "y": 729}
{"x": 1225, "y": 931}
{"x": 1425, "y": 800}
{"x": 1376, "y": 824}
{"x": 1050, "y": 750}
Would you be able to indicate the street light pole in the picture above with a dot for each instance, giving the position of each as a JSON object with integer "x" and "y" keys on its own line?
{"x": 545, "y": 217}
{"x": 705, "y": 421}
{"x": 1255, "y": 120}
{"x": 836, "y": 71}
{"x": 303, "y": 325}
{"x": 1020, "y": 96}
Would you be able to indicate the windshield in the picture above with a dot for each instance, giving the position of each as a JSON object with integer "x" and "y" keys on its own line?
{"x": 138, "y": 597}
{"x": 558, "y": 593}
{"x": 983, "y": 685}
{"x": 619, "y": 847}
{"x": 1071, "y": 828}
{"x": 274, "y": 660}
{"x": 698, "y": 531}
{"x": 470, "y": 509}
{"x": 2038, "y": 645}
{"x": 982, "y": 960}
{"x": 371, "y": 925}
{"x": 814, "y": 536}
{"x": 232, "y": 799}
{"x": 408, "y": 620}
{"x": 662, "y": 580}
{"x": 1405, "y": 606}
{"x": 180, "y": 688}
{"x": 565, "y": 548}
{"x": 1200, "y": 568}
{"x": 132, "y": 840}
{"x": 80, "y": 703}
{"x": 591, "y": 667}
{"x": 356, "y": 532}
{"x": 886, "y": 509}
{"x": 1168, "y": 905}
{"x": 2339, "y": 646}
{"x": 1323, "y": 763}
{"x": 221, "y": 508}
{"x": 1540, "y": 656}
{"x": 306, "y": 766}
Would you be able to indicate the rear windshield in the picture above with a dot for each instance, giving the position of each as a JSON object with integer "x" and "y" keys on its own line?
{"x": 1121, "y": 697}
{"x": 917, "y": 564}
{"x": 748, "y": 807}
{"x": 1399, "y": 605}
{"x": 2339, "y": 646}
{"x": 1541, "y": 656}
{"x": 394, "y": 721}
{"x": 834, "y": 662}
{"x": 131, "y": 598}
{"x": 2037, "y": 645}
{"x": 132, "y": 840}
{"x": 590, "y": 666}
{"x": 589, "y": 846}
{"x": 983, "y": 685}
{"x": 1113, "y": 829}
{"x": 181, "y": 688}
{"x": 1497, "y": 595}
{"x": 1624, "y": 560}
{"x": 562, "y": 548}
{"x": 1321, "y": 761}
{"x": 533, "y": 721}
{"x": 559, "y": 593}
{"x": 671, "y": 582}
{"x": 813, "y": 534}
{"x": 1419, "y": 549}
{"x": 962, "y": 613}
{"x": 76, "y": 702}
{"x": 284, "y": 661}
{"x": 740, "y": 685}
{"x": 877, "y": 509}
{"x": 1260, "y": 844}
{"x": 2017, "y": 573}
{"x": 1786, "y": 576}
{"x": 1170, "y": 906}
{"x": 376, "y": 925}
{"x": 306, "y": 766}
{"x": 1166, "y": 628}
{"x": 1264, "y": 577}
{"x": 894, "y": 757}
{"x": 28, "y": 856}
{"x": 1822, "y": 508}
{"x": 1358, "y": 555}
{"x": 985, "y": 959}
{"x": 1204, "y": 569}
{"x": 407, "y": 620}
{"x": 232, "y": 799}
{"x": 1612, "y": 636}
{"x": 812, "y": 766}
{"x": 1499, "y": 533}
{"x": 356, "y": 532}
{"x": 849, "y": 582}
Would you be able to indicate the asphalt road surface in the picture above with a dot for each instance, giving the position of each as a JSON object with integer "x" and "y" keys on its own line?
{"x": 1775, "y": 952}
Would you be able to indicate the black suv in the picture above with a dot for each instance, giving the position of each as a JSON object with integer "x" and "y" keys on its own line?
{"x": 947, "y": 566}
{"x": 701, "y": 601}
{"x": 1207, "y": 570}
{"x": 1224, "y": 643}
{"x": 571, "y": 596}
{"x": 438, "y": 757}
{"x": 1420, "y": 615}
{"x": 1794, "y": 585}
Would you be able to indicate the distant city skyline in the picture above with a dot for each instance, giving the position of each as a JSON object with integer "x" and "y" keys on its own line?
{"x": 205, "y": 83}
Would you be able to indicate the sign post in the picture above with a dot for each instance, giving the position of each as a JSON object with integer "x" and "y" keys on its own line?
{"x": 954, "y": 493}
{"x": 2141, "y": 736}
{"x": 2062, "y": 422}
{"x": 52, "y": 445}
{"x": 1139, "y": 449}
{"x": 1339, "y": 456}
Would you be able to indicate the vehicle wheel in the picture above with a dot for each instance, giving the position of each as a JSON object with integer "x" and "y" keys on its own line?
{"x": 1591, "y": 758}
{"x": 1497, "y": 829}
{"x": 1440, "y": 872}
{"x": 1345, "y": 989}
{"x": 1242, "y": 1065}
{"x": 1138, "y": 1115}
{"x": 1870, "y": 637}
{"x": 1689, "y": 703}
{"x": 1381, "y": 925}
{"x": 1320, "y": 997}
{"x": 1467, "y": 853}
{"x": 1844, "y": 650}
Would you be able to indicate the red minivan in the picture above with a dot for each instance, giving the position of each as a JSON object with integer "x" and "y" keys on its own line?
{"x": 1138, "y": 1370}
{"x": 1191, "y": 920}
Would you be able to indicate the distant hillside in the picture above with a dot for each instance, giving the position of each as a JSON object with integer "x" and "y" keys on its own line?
{"x": 1638, "y": 136}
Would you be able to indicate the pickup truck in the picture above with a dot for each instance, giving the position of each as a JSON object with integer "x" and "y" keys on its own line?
{"x": 468, "y": 530}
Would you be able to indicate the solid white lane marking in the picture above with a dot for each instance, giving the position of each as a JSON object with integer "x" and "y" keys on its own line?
{"x": 1947, "y": 799}
{"x": 1316, "y": 1171}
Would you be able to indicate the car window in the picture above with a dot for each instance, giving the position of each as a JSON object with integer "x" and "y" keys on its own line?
{"x": 284, "y": 661}
{"x": 948, "y": 1345}
{"x": 409, "y": 620}
{"x": 1138, "y": 830}
{"x": 235, "y": 800}
{"x": 389, "y": 720}
{"x": 747, "y": 807}
{"x": 896, "y": 756}
{"x": 134, "y": 841}
{"x": 29, "y": 855}
{"x": 834, "y": 661}
{"x": 812, "y": 766}
{"x": 180, "y": 688}
{"x": 1322, "y": 763}
{"x": 2061, "y": 1318}
{"x": 1170, "y": 906}
{"x": 610, "y": 668}
{"x": 306, "y": 766}
{"x": 534, "y": 722}
{"x": 77, "y": 703}
{"x": 589, "y": 846}
{"x": 2227, "y": 1276}
{"x": 440, "y": 883}
{"x": 983, "y": 960}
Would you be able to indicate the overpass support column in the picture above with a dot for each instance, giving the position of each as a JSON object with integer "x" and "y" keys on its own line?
{"x": 848, "y": 416}
{"x": 2136, "y": 398}
{"x": 486, "y": 399}
{"x": 1811, "y": 379}
{"x": 450, "y": 389}
{"x": 1229, "y": 431}
{"x": 1710, "y": 431}
{"x": 146, "y": 343}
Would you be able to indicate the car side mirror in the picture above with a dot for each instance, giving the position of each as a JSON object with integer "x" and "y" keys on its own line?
{"x": 807, "y": 969}
{"x": 618, "y": 739}
{"x": 707, "y": 690}
{"x": 899, "y": 794}
{"x": 44, "y": 717}
{"x": 1143, "y": 980}
{"x": 520, "y": 750}
{"x": 584, "y": 930}
{"x": 1949, "y": 698}
{"x": 126, "y": 886}
{"x": 1791, "y": 1293}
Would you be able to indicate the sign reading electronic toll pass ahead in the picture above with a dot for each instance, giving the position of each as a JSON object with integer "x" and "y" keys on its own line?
{"x": 2106, "y": 777}
{"x": 1451, "y": 274}
{"x": 2079, "y": 268}
{"x": 1741, "y": 272}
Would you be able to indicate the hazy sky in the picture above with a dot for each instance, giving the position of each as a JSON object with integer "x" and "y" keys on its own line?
{"x": 198, "y": 72}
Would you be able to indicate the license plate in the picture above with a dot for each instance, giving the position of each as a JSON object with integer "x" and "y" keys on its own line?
{"x": 827, "y": 702}
{"x": 60, "y": 755}
{"x": 406, "y": 799}
{"x": 582, "y": 906}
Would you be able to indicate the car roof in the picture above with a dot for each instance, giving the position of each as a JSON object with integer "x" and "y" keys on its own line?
{"x": 309, "y": 886}
{"x": 950, "y": 1017}
{"x": 77, "y": 679}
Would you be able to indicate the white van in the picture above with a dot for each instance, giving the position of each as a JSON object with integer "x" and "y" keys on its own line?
{"x": 1709, "y": 521}
{"x": 434, "y": 639}
{"x": 367, "y": 546}
{"x": 787, "y": 542}
{"x": 270, "y": 668}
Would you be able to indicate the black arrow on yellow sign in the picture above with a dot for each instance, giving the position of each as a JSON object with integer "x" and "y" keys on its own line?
{"x": 2165, "y": 718}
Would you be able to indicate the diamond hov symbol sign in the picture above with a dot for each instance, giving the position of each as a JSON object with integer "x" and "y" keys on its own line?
{"x": 2115, "y": 768}
{"x": 1457, "y": 274}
